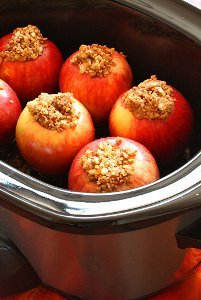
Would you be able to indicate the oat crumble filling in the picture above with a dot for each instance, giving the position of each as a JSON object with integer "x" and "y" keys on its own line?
{"x": 94, "y": 60}
{"x": 55, "y": 111}
{"x": 151, "y": 99}
{"x": 109, "y": 166}
{"x": 25, "y": 44}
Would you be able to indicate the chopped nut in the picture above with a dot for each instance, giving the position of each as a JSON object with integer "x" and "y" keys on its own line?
{"x": 104, "y": 171}
{"x": 26, "y": 43}
{"x": 94, "y": 60}
{"x": 54, "y": 112}
{"x": 151, "y": 99}
{"x": 118, "y": 141}
{"x": 109, "y": 166}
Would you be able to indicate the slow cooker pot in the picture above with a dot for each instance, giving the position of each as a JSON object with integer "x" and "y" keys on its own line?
{"x": 116, "y": 245}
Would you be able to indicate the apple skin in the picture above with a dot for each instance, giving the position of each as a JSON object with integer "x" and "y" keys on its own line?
{"x": 50, "y": 152}
{"x": 164, "y": 138}
{"x": 30, "y": 78}
{"x": 97, "y": 94}
{"x": 146, "y": 169}
{"x": 10, "y": 109}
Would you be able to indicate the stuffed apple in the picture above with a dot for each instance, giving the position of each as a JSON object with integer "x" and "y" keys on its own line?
{"x": 156, "y": 115}
{"x": 97, "y": 76}
{"x": 29, "y": 63}
{"x": 51, "y": 130}
{"x": 112, "y": 164}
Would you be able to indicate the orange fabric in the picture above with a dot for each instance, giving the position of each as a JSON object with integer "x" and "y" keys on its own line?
{"x": 39, "y": 293}
{"x": 188, "y": 289}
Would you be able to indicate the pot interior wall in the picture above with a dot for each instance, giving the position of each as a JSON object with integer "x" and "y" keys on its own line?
{"x": 151, "y": 46}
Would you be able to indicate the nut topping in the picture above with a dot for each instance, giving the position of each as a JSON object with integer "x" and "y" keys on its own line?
{"x": 26, "y": 43}
{"x": 151, "y": 99}
{"x": 94, "y": 60}
{"x": 108, "y": 165}
{"x": 54, "y": 112}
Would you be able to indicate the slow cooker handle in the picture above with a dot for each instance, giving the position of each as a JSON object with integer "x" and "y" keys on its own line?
{"x": 190, "y": 237}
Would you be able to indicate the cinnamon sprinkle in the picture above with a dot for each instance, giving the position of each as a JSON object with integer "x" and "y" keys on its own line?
{"x": 151, "y": 99}
{"x": 109, "y": 166}
{"x": 26, "y": 43}
{"x": 54, "y": 112}
{"x": 94, "y": 60}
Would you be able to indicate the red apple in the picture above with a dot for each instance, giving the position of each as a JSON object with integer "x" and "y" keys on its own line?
{"x": 10, "y": 109}
{"x": 29, "y": 63}
{"x": 97, "y": 76}
{"x": 51, "y": 130}
{"x": 156, "y": 115}
{"x": 112, "y": 164}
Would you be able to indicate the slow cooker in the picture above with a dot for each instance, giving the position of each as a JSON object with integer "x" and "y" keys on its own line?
{"x": 116, "y": 245}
